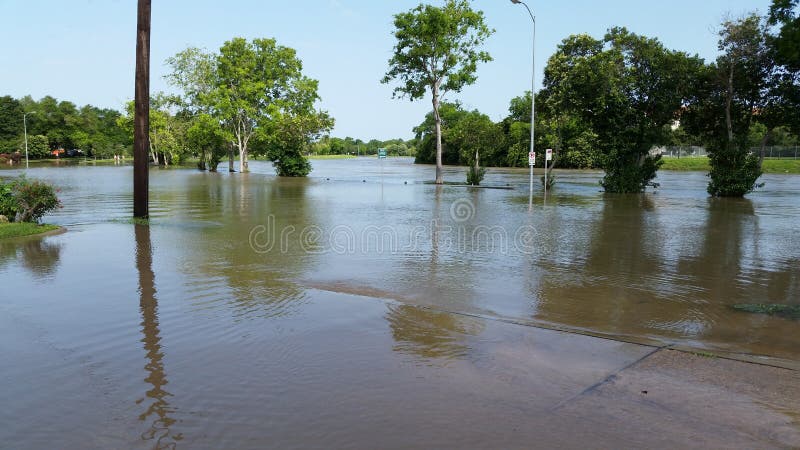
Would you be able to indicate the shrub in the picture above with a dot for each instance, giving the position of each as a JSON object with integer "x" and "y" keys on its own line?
{"x": 734, "y": 171}
{"x": 475, "y": 175}
{"x": 26, "y": 200}
{"x": 292, "y": 165}
{"x": 8, "y": 205}
{"x": 38, "y": 146}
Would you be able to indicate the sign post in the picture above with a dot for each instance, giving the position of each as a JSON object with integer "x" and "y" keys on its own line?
{"x": 381, "y": 153}
{"x": 531, "y": 163}
{"x": 548, "y": 157}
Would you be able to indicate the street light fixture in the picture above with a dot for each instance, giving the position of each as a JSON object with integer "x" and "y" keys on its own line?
{"x": 25, "y": 127}
{"x": 533, "y": 95}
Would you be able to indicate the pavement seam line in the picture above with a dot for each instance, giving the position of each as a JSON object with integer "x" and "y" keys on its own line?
{"x": 607, "y": 380}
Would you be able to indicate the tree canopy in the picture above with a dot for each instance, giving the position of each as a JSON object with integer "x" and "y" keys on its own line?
{"x": 257, "y": 92}
{"x": 437, "y": 51}
{"x": 64, "y": 125}
{"x": 626, "y": 88}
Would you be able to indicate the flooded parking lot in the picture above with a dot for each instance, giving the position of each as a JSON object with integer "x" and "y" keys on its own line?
{"x": 364, "y": 302}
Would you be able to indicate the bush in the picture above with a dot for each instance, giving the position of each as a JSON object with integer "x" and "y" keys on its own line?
{"x": 734, "y": 171}
{"x": 38, "y": 147}
{"x": 27, "y": 201}
{"x": 8, "y": 205}
{"x": 292, "y": 165}
{"x": 629, "y": 173}
{"x": 475, "y": 175}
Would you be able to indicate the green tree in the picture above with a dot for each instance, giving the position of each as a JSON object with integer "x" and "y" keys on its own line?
{"x": 785, "y": 46}
{"x": 167, "y": 131}
{"x": 290, "y": 136}
{"x": 194, "y": 72}
{"x": 625, "y": 89}
{"x": 429, "y": 142}
{"x": 257, "y": 91}
{"x": 477, "y": 139}
{"x": 784, "y": 13}
{"x": 206, "y": 136}
{"x": 261, "y": 89}
{"x": 572, "y": 140}
{"x": 742, "y": 88}
{"x": 10, "y": 123}
{"x": 65, "y": 125}
{"x": 38, "y": 146}
{"x": 437, "y": 50}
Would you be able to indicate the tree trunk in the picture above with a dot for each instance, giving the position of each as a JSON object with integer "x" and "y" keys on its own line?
{"x": 201, "y": 165}
{"x": 438, "y": 119}
{"x": 764, "y": 140}
{"x": 728, "y": 101}
{"x": 230, "y": 158}
{"x": 242, "y": 160}
{"x": 141, "y": 120}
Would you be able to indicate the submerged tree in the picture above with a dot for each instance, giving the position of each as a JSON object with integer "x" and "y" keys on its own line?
{"x": 257, "y": 91}
{"x": 437, "y": 50}
{"x": 206, "y": 136}
{"x": 166, "y": 143}
{"x": 625, "y": 89}
{"x": 742, "y": 88}
{"x": 476, "y": 138}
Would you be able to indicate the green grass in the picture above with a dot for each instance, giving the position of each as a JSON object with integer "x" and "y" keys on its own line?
{"x": 781, "y": 166}
{"x": 686, "y": 164}
{"x": 133, "y": 221}
{"x": 700, "y": 163}
{"x": 9, "y": 230}
{"x": 703, "y": 354}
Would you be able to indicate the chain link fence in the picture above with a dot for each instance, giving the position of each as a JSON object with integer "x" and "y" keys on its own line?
{"x": 776, "y": 152}
{"x": 691, "y": 151}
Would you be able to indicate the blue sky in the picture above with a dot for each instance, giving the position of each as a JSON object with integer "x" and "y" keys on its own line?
{"x": 83, "y": 50}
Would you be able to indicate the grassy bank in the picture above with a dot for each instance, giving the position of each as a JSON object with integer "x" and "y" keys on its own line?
{"x": 9, "y": 230}
{"x": 701, "y": 164}
{"x": 781, "y": 166}
{"x": 686, "y": 164}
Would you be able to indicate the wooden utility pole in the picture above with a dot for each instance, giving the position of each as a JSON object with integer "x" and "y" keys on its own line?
{"x": 141, "y": 120}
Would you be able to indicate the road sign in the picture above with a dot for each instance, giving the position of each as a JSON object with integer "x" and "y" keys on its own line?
{"x": 532, "y": 158}
{"x": 381, "y": 153}
{"x": 549, "y": 154}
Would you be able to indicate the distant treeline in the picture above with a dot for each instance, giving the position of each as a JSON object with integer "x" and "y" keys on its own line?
{"x": 54, "y": 124}
{"x": 350, "y": 146}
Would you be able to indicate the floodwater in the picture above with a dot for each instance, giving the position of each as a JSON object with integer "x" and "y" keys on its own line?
{"x": 363, "y": 307}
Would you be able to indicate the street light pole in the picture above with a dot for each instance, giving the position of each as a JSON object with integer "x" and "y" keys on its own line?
{"x": 25, "y": 128}
{"x": 533, "y": 90}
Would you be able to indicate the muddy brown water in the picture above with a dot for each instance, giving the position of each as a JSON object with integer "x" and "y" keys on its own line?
{"x": 350, "y": 309}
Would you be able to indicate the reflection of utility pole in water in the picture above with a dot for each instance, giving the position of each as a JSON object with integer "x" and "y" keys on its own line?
{"x": 148, "y": 305}
{"x": 435, "y": 223}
